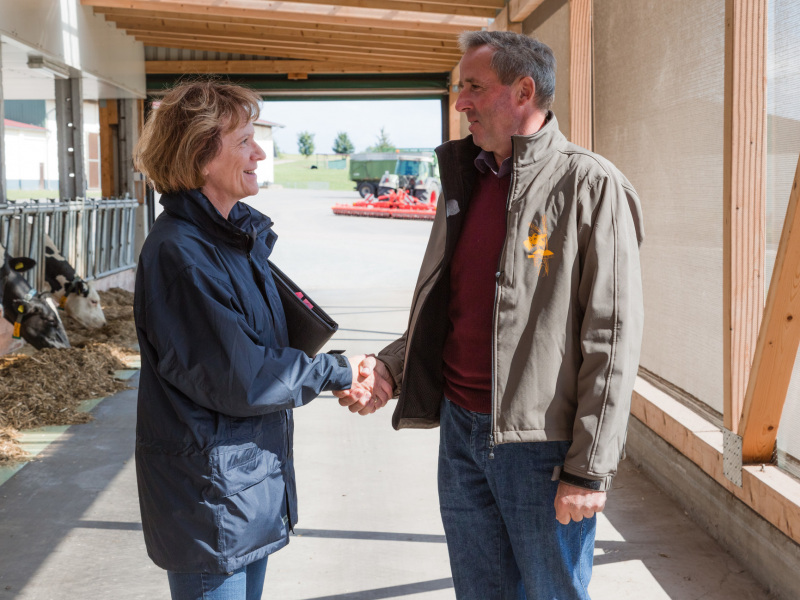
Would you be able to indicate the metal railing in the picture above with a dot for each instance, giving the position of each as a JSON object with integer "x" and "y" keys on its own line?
{"x": 95, "y": 236}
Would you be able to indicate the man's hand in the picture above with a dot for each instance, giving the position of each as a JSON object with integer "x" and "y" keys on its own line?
{"x": 576, "y": 503}
{"x": 372, "y": 386}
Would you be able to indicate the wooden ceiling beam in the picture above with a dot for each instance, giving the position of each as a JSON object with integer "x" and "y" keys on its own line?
{"x": 311, "y": 54}
{"x": 483, "y": 9}
{"x": 260, "y": 32}
{"x": 112, "y": 14}
{"x": 304, "y": 13}
{"x": 519, "y": 10}
{"x": 267, "y": 67}
{"x": 323, "y": 45}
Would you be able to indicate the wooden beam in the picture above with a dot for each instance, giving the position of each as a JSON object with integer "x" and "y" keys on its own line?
{"x": 485, "y": 9}
{"x": 767, "y": 490}
{"x": 323, "y": 45}
{"x": 284, "y": 51}
{"x": 454, "y": 123}
{"x": 261, "y": 30}
{"x": 778, "y": 341}
{"x": 519, "y": 10}
{"x": 580, "y": 73}
{"x": 109, "y": 117}
{"x": 744, "y": 197}
{"x": 272, "y": 24}
{"x": 501, "y": 23}
{"x": 281, "y": 11}
{"x": 243, "y": 67}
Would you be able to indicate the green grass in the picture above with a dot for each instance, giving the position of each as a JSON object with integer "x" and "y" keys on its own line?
{"x": 296, "y": 172}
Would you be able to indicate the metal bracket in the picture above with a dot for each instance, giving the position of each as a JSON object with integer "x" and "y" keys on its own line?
{"x": 732, "y": 456}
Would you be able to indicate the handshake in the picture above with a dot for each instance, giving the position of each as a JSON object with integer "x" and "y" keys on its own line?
{"x": 372, "y": 385}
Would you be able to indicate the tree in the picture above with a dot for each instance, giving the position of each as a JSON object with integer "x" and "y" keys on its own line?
{"x": 343, "y": 144}
{"x": 384, "y": 143}
{"x": 305, "y": 143}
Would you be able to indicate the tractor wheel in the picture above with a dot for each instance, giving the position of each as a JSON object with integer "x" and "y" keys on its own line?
{"x": 424, "y": 195}
{"x": 365, "y": 188}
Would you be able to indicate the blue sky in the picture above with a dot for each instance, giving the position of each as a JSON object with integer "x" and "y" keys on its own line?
{"x": 409, "y": 123}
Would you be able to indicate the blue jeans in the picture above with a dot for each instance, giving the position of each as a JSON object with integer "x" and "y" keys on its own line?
{"x": 499, "y": 518}
{"x": 246, "y": 583}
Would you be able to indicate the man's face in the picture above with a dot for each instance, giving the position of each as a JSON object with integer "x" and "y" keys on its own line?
{"x": 489, "y": 105}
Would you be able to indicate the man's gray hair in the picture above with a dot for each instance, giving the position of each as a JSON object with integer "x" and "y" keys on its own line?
{"x": 516, "y": 56}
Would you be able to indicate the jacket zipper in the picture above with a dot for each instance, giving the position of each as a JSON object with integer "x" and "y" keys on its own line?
{"x": 286, "y": 415}
{"x": 495, "y": 308}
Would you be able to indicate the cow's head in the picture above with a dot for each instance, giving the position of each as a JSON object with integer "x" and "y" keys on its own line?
{"x": 37, "y": 317}
{"x": 82, "y": 303}
{"x": 40, "y": 324}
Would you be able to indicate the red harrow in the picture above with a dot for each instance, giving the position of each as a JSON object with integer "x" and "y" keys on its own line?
{"x": 394, "y": 205}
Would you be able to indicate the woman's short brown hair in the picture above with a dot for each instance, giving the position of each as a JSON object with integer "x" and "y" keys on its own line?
{"x": 183, "y": 134}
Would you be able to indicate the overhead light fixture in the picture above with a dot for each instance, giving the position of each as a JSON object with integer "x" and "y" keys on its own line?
{"x": 47, "y": 65}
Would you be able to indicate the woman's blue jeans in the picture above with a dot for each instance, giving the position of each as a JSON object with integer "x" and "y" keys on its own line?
{"x": 500, "y": 520}
{"x": 245, "y": 584}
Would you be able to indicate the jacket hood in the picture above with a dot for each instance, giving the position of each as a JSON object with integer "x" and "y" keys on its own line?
{"x": 242, "y": 225}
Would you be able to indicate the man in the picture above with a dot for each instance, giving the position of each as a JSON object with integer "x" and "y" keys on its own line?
{"x": 524, "y": 334}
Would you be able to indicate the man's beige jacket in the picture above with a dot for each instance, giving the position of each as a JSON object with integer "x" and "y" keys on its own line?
{"x": 568, "y": 314}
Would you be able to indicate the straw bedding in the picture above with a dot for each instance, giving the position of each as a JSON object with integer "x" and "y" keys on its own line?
{"x": 46, "y": 387}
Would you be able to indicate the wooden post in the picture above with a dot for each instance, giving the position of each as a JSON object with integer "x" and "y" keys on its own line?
{"x": 454, "y": 129}
{"x": 580, "y": 73}
{"x": 744, "y": 196}
{"x": 109, "y": 119}
{"x": 778, "y": 341}
{"x": 502, "y": 23}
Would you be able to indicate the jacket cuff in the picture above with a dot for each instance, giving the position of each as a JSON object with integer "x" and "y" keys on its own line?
{"x": 598, "y": 485}
{"x": 341, "y": 376}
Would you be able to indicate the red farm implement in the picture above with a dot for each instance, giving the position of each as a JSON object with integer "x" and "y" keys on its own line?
{"x": 397, "y": 204}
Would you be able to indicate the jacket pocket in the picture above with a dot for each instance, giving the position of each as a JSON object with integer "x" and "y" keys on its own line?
{"x": 236, "y": 470}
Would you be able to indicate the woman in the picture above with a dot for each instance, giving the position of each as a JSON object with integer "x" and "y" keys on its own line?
{"x": 218, "y": 382}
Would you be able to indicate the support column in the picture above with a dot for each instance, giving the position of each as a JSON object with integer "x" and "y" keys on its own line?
{"x": 131, "y": 183}
{"x": 2, "y": 135}
{"x": 109, "y": 119}
{"x": 580, "y": 73}
{"x": 69, "y": 123}
{"x": 454, "y": 116}
{"x": 744, "y": 196}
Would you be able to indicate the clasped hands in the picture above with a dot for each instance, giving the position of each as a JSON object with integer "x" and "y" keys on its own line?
{"x": 371, "y": 388}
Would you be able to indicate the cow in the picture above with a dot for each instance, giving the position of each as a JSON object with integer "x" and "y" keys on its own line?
{"x": 77, "y": 297}
{"x": 35, "y": 317}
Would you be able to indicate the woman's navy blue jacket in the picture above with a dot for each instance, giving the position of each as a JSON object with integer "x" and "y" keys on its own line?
{"x": 214, "y": 427}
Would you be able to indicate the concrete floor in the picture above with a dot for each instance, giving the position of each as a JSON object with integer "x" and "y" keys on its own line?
{"x": 369, "y": 526}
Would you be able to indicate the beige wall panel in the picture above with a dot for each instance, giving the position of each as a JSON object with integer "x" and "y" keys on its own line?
{"x": 550, "y": 24}
{"x": 659, "y": 117}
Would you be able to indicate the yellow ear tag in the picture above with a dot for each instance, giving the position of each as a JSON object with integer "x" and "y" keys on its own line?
{"x": 17, "y": 328}
{"x": 63, "y": 302}
{"x": 19, "y": 266}
{"x": 21, "y": 309}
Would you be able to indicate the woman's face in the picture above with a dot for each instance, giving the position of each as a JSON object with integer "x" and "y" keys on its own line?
{"x": 230, "y": 176}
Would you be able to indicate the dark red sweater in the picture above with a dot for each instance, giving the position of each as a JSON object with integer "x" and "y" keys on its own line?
{"x": 468, "y": 347}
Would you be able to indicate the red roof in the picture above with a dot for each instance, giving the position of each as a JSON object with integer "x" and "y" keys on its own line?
{"x": 18, "y": 125}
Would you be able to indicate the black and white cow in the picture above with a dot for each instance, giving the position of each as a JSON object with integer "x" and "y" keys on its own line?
{"x": 35, "y": 317}
{"x": 73, "y": 294}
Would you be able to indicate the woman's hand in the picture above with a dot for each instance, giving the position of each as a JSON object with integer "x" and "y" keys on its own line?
{"x": 371, "y": 388}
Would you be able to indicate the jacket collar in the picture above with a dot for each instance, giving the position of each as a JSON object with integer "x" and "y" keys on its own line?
{"x": 529, "y": 149}
{"x": 242, "y": 225}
